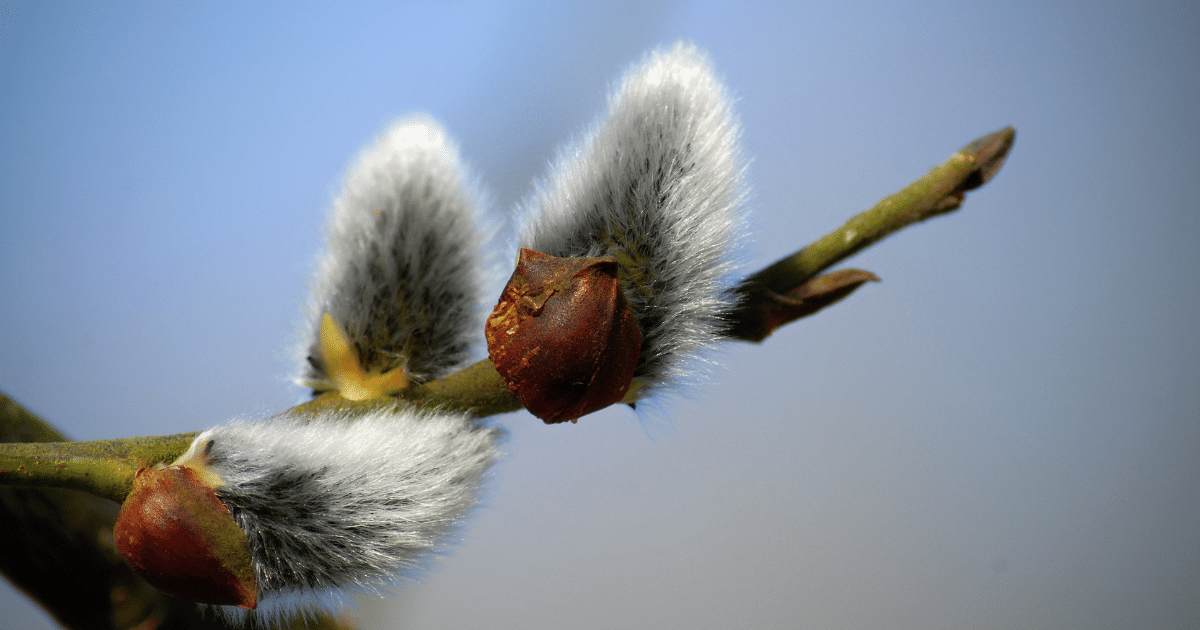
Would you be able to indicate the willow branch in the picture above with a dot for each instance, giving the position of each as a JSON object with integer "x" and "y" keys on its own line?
{"x": 786, "y": 290}
{"x": 104, "y": 468}
{"x": 940, "y": 191}
{"x": 477, "y": 389}
{"x": 57, "y": 542}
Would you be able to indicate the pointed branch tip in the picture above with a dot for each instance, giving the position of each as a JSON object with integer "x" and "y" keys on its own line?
{"x": 989, "y": 152}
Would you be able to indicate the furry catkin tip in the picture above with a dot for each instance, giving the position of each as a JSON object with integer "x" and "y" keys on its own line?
{"x": 402, "y": 270}
{"x": 342, "y": 504}
{"x": 657, "y": 184}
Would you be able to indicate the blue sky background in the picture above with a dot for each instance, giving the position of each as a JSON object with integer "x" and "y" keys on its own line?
{"x": 1003, "y": 433}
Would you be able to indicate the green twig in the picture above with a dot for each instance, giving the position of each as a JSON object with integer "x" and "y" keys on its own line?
{"x": 940, "y": 191}
{"x": 788, "y": 289}
{"x": 104, "y": 468}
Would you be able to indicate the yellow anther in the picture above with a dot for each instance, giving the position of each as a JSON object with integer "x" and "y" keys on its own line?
{"x": 345, "y": 369}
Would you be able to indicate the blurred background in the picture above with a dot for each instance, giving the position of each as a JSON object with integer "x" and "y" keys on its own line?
{"x": 1003, "y": 433}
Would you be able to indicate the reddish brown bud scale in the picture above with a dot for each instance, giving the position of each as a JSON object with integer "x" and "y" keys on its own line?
{"x": 563, "y": 335}
{"x": 176, "y": 533}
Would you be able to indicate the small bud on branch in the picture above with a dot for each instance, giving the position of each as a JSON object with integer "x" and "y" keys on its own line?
{"x": 177, "y": 534}
{"x": 563, "y": 336}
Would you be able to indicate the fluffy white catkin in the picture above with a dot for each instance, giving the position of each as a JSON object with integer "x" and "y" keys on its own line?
{"x": 658, "y": 183}
{"x": 340, "y": 503}
{"x": 402, "y": 272}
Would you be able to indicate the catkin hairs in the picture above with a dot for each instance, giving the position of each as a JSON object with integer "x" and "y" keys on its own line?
{"x": 657, "y": 183}
{"x": 342, "y": 503}
{"x": 402, "y": 270}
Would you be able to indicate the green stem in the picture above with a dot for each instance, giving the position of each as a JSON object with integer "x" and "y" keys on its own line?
{"x": 940, "y": 191}
{"x": 477, "y": 389}
{"x": 106, "y": 468}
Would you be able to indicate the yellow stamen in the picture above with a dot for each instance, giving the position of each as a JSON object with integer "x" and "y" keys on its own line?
{"x": 345, "y": 369}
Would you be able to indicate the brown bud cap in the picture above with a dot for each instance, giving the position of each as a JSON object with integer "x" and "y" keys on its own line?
{"x": 563, "y": 335}
{"x": 176, "y": 533}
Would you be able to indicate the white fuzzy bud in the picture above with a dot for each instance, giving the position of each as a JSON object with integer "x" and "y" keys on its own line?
{"x": 402, "y": 272}
{"x": 657, "y": 183}
{"x": 341, "y": 504}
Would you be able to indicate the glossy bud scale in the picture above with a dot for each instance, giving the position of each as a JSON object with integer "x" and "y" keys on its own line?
{"x": 563, "y": 335}
{"x": 176, "y": 533}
